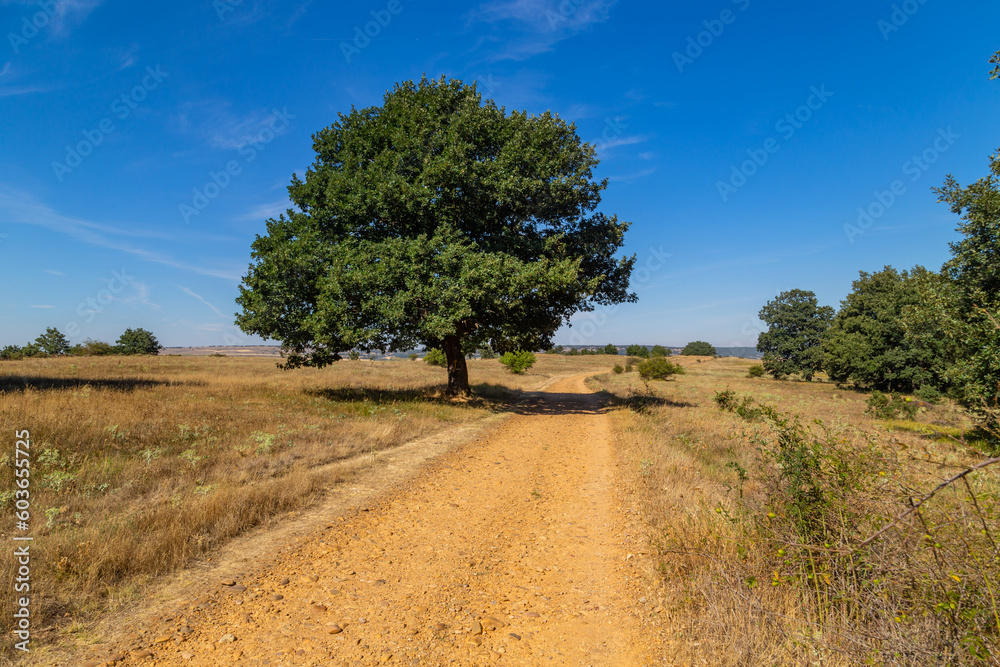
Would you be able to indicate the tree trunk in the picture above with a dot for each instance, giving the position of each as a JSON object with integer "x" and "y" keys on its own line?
{"x": 458, "y": 371}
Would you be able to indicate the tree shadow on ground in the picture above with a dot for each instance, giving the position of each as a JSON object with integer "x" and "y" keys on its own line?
{"x": 21, "y": 383}
{"x": 640, "y": 402}
{"x": 485, "y": 395}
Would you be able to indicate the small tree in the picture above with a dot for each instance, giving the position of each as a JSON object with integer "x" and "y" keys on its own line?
{"x": 518, "y": 362}
{"x": 52, "y": 342}
{"x": 138, "y": 341}
{"x": 11, "y": 352}
{"x": 660, "y": 351}
{"x": 435, "y": 357}
{"x": 637, "y": 351}
{"x": 659, "y": 368}
{"x": 699, "y": 348}
{"x": 792, "y": 343}
{"x": 611, "y": 349}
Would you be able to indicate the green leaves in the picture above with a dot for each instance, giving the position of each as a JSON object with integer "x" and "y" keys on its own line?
{"x": 869, "y": 343}
{"x": 791, "y": 344}
{"x": 436, "y": 217}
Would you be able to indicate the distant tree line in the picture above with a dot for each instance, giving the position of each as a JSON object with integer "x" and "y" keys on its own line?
{"x": 919, "y": 331}
{"x": 54, "y": 343}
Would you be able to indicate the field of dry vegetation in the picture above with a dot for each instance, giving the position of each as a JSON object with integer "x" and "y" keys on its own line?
{"x": 762, "y": 521}
{"x": 139, "y": 464}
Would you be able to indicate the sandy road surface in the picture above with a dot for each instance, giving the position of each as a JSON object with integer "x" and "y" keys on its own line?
{"x": 509, "y": 550}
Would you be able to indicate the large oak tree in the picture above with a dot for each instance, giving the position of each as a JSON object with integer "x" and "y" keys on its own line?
{"x": 439, "y": 220}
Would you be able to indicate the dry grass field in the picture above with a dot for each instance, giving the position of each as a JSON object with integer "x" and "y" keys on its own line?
{"x": 759, "y": 525}
{"x": 757, "y": 521}
{"x": 139, "y": 464}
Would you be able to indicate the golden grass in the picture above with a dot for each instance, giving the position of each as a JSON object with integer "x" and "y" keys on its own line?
{"x": 734, "y": 599}
{"x": 139, "y": 464}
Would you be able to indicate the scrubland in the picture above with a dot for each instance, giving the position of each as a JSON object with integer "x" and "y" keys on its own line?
{"x": 140, "y": 464}
{"x": 792, "y": 528}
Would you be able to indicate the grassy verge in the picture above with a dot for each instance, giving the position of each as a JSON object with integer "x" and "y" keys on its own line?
{"x": 140, "y": 464}
{"x": 767, "y": 523}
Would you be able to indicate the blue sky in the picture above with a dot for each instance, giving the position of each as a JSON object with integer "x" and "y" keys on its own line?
{"x": 118, "y": 115}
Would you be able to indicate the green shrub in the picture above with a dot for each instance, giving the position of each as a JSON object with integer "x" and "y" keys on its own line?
{"x": 436, "y": 357}
{"x": 11, "y": 352}
{"x": 628, "y": 367}
{"x": 486, "y": 352}
{"x": 518, "y": 362}
{"x": 756, "y": 371}
{"x": 660, "y": 351}
{"x": 659, "y": 369}
{"x": 610, "y": 348}
{"x": 618, "y": 370}
{"x": 353, "y": 355}
{"x": 699, "y": 348}
{"x": 637, "y": 351}
{"x": 929, "y": 394}
{"x": 138, "y": 341}
{"x": 726, "y": 399}
{"x": 890, "y": 406}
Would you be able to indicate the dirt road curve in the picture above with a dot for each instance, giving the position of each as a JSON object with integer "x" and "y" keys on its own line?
{"x": 509, "y": 550}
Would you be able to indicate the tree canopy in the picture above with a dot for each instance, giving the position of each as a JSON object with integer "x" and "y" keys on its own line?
{"x": 974, "y": 269}
{"x": 637, "y": 350}
{"x": 796, "y": 324}
{"x": 699, "y": 348}
{"x": 138, "y": 341}
{"x": 52, "y": 342}
{"x": 868, "y": 342}
{"x": 436, "y": 220}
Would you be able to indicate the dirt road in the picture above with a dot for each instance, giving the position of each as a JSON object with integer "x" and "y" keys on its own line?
{"x": 511, "y": 549}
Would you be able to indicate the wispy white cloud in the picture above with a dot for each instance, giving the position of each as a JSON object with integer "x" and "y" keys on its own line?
{"x": 22, "y": 208}
{"x": 65, "y": 15}
{"x": 190, "y": 292}
{"x": 54, "y": 272}
{"x": 628, "y": 178}
{"x": 266, "y": 211}
{"x": 622, "y": 141}
{"x": 216, "y": 124}
{"x": 140, "y": 295}
{"x": 542, "y": 23}
{"x": 127, "y": 58}
{"x": 41, "y": 306}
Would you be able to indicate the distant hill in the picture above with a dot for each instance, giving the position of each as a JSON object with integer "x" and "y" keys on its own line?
{"x": 744, "y": 352}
